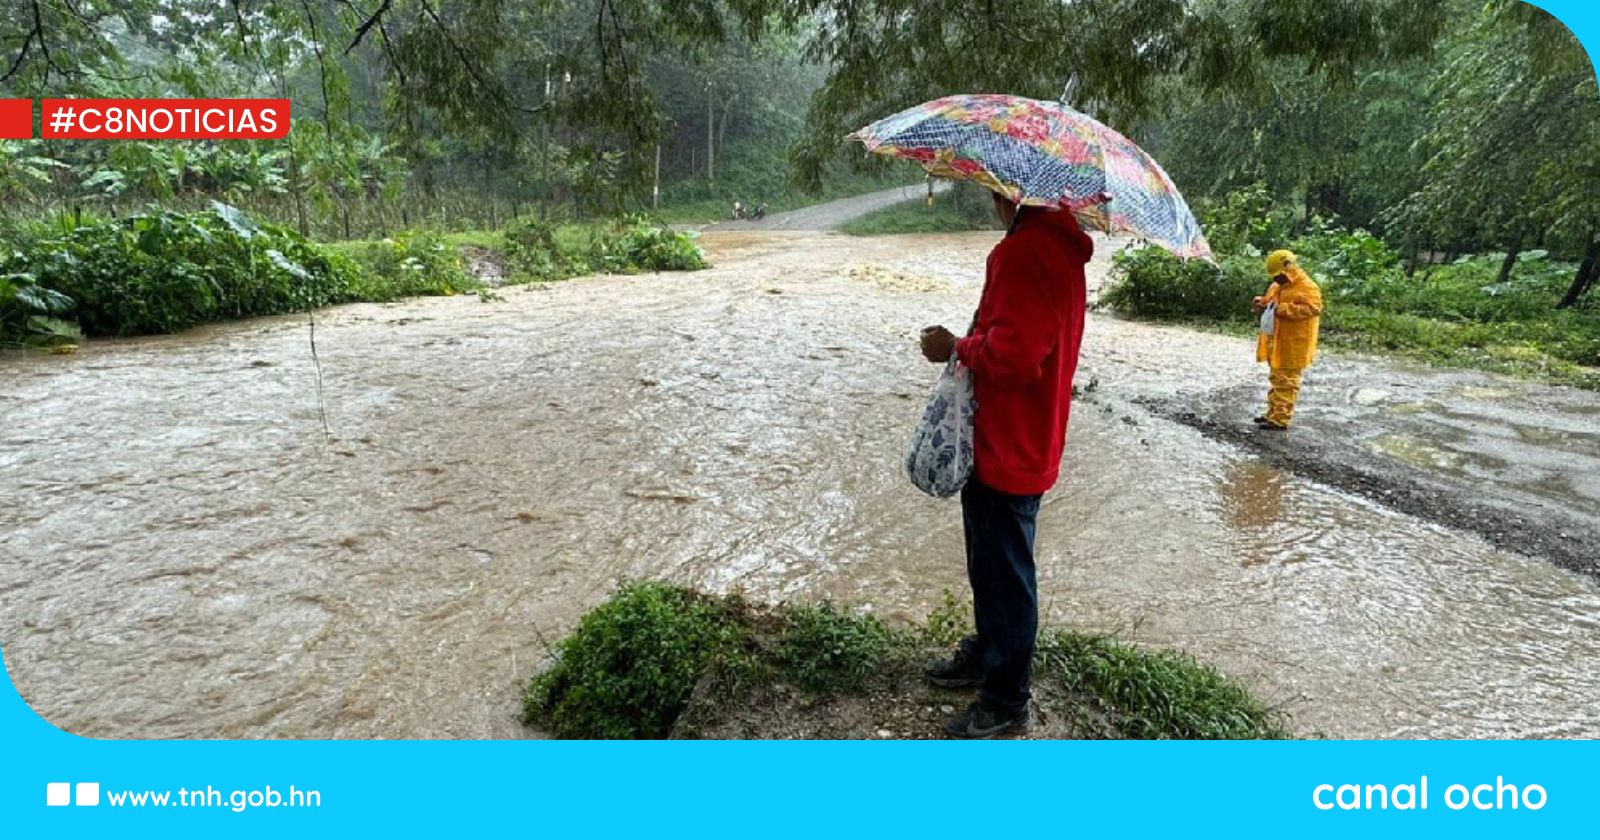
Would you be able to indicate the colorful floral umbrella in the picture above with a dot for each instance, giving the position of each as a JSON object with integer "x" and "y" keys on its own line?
{"x": 1043, "y": 154}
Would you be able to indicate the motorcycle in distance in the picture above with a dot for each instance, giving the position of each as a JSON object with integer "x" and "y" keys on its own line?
{"x": 744, "y": 212}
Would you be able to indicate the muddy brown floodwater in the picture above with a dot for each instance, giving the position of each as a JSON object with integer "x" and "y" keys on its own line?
{"x": 183, "y": 553}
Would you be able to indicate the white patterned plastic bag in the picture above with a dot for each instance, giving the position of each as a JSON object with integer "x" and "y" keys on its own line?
{"x": 940, "y": 457}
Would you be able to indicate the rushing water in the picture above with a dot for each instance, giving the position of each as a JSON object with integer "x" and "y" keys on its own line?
{"x": 184, "y": 553}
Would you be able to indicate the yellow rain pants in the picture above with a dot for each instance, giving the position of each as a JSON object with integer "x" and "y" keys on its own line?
{"x": 1281, "y": 397}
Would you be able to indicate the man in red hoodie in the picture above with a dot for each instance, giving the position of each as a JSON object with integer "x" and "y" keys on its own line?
{"x": 1022, "y": 351}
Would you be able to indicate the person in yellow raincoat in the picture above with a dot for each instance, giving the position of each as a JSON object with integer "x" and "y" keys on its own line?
{"x": 1288, "y": 339}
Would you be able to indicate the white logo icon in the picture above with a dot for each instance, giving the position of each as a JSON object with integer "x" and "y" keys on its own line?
{"x": 61, "y": 793}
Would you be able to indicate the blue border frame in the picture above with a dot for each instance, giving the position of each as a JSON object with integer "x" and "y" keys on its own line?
{"x": 885, "y": 789}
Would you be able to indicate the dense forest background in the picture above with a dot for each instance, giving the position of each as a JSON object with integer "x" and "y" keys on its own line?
{"x": 1445, "y": 127}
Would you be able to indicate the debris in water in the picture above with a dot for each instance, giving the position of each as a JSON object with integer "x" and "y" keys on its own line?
{"x": 661, "y": 494}
{"x": 892, "y": 281}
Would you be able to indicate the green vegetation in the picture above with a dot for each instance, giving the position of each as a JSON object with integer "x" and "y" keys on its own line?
{"x": 1461, "y": 313}
{"x": 1151, "y": 283}
{"x": 825, "y": 650}
{"x": 1153, "y": 694}
{"x": 628, "y": 670}
{"x": 1442, "y": 127}
{"x": 1484, "y": 143}
{"x": 409, "y": 115}
{"x": 638, "y": 661}
{"x": 164, "y": 271}
{"x": 410, "y": 264}
{"x": 756, "y": 171}
{"x": 635, "y": 244}
{"x": 32, "y": 314}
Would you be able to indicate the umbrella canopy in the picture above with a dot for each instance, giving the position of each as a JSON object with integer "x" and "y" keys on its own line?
{"x": 1043, "y": 154}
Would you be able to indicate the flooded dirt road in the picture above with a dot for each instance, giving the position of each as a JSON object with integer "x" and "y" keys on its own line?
{"x": 825, "y": 216}
{"x": 183, "y": 553}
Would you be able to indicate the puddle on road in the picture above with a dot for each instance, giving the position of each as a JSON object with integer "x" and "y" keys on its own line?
{"x": 1478, "y": 392}
{"x": 1412, "y": 408}
{"x": 1416, "y": 452}
{"x": 182, "y": 554}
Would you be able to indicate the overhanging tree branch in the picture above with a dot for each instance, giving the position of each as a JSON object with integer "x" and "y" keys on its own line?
{"x": 466, "y": 60}
{"x": 22, "y": 55}
{"x": 366, "y": 25}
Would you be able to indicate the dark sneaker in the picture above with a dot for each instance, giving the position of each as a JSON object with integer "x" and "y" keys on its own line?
{"x": 961, "y": 670}
{"x": 979, "y": 721}
{"x": 1261, "y": 421}
{"x": 1269, "y": 426}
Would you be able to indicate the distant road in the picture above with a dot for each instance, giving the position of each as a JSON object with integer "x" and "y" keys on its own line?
{"x": 828, "y": 215}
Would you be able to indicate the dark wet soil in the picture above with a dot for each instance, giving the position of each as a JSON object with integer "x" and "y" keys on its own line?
{"x": 1511, "y": 462}
{"x": 897, "y": 704}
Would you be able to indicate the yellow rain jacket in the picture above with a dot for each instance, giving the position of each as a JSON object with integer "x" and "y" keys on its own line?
{"x": 1298, "y": 318}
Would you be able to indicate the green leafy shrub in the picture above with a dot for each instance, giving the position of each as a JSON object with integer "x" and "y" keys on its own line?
{"x": 532, "y": 251}
{"x": 409, "y": 264}
{"x": 629, "y": 668}
{"x": 33, "y": 314}
{"x": 948, "y": 622}
{"x": 537, "y": 249}
{"x": 1352, "y": 256}
{"x": 823, "y": 649}
{"x": 1152, "y": 283}
{"x": 1459, "y": 314}
{"x": 162, "y": 272}
{"x": 1155, "y": 694}
{"x": 1245, "y": 222}
{"x": 634, "y": 244}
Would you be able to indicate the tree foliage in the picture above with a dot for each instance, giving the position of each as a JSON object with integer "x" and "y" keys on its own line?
{"x": 1446, "y": 125}
{"x": 1106, "y": 56}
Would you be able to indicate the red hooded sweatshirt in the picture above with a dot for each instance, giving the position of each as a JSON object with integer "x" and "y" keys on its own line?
{"x": 1023, "y": 350}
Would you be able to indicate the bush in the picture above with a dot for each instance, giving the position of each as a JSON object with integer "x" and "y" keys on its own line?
{"x": 1353, "y": 257}
{"x": 409, "y": 264}
{"x": 629, "y": 668}
{"x": 1459, "y": 314}
{"x": 634, "y": 244}
{"x": 535, "y": 250}
{"x": 162, "y": 272}
{"x": 32, "y": 314}
{"x": 532, "y": 251}
{"x": 1152, "y": 283}
{"x": 825, "y": 650}
{"x": 1245, "y": 222}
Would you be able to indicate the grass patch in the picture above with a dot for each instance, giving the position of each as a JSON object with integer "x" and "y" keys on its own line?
{"x": 636, "y": 663}
{"x": 1154, "y": 694}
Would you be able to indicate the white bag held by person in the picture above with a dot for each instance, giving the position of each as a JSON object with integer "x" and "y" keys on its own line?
{"x": 939, "y": 459}
{"x": 1269, "y": 320}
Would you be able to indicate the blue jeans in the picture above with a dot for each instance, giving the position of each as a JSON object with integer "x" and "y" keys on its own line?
{"x": 1005, "y": 597}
